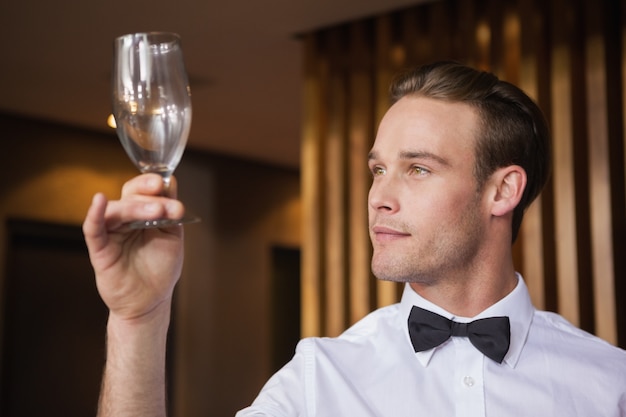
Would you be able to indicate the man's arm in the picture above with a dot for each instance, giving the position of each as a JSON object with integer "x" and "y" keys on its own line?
{"x": 134, "y": 376}
{"x": 136, "y": 271}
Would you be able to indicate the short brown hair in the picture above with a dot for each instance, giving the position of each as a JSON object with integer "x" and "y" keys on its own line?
{"x": 513, "y": 128}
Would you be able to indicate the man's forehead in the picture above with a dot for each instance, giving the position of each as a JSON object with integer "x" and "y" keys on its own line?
{"x": 419, "y": 125}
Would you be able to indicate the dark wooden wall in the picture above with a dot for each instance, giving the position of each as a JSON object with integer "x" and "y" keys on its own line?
{"x": 568, "y": 55}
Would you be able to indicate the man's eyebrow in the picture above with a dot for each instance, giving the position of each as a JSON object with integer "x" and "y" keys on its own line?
{"x": 414, "y": 155}
{"x": 423, "y": 155}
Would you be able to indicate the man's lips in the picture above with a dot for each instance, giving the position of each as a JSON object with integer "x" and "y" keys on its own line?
{"x": 384, "y": 233}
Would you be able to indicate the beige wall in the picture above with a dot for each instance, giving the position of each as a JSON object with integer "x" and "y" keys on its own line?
{"x": 49, "y": 173}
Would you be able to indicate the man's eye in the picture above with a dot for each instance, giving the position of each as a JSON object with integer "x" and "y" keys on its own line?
{"x": 378, "y": 171}
{"x": 420, "y": 170}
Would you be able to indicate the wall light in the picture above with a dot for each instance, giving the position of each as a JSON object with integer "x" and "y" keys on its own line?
{"x": 111, "y": 121}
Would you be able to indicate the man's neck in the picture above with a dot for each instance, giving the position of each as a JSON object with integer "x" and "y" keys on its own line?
{"x": 470, "y": 294}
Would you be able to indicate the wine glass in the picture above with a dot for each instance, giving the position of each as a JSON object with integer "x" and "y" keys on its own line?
{"x": 152, "y": 106}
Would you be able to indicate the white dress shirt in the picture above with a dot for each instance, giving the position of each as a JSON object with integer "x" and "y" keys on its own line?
{"x": 552, "y": 369}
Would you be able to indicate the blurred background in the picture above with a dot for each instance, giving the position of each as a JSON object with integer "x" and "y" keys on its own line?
{"x": 286, "y": 97}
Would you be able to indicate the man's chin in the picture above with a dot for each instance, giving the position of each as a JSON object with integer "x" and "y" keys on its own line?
{"x": 387, "y": 274}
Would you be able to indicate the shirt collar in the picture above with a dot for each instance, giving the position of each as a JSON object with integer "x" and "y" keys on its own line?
{"x": 516, "y": 305}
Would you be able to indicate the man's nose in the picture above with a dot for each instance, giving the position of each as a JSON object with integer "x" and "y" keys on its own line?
{"x": 383, "y": 195}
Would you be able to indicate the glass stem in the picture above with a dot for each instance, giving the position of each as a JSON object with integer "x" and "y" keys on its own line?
{"x": 166, "y": 185}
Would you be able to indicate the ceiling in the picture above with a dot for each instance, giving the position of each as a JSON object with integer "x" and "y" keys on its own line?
{"x": 242, "y": 57}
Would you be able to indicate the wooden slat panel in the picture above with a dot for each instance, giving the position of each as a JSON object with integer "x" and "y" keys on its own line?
{"x": 495, "y": 18}
{"x": 564, "y": 187}
{"x": 623, "y": 62}
{"x": 579, "y": 105}
{"x": 440, "y": 35}
{"x": 482, "y": 41}
{"x": 312, "y": 195}
{"x": 600, "y": 181}
{"x": 334, "y": 189}
{"x": 617, "y": 78}
{"x": 531, "y": 240}
{"x": 416, "y": 43}
{"x": 466, "y": 23}
{"x": 361, "y": 130}
{"x": 543, "y": 49}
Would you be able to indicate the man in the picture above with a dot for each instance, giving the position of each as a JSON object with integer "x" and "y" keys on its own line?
{"x": 457, "y": 159}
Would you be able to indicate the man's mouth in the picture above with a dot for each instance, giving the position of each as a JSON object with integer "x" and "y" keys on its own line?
{"x": 384, "y": 233}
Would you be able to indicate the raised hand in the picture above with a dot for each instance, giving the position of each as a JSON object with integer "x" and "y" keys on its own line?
{"x": 136, "y": 270}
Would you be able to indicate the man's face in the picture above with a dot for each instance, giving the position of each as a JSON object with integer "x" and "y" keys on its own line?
{"x": 425, "y": 214}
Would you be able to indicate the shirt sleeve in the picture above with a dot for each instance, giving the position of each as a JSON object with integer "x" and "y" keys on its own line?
{"x": 285, "y": 393}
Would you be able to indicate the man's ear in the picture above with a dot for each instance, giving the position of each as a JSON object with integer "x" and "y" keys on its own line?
{"x": 509, "y": 182}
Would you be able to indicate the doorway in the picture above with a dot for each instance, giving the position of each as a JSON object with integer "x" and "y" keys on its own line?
{"x": 53, "y": 348}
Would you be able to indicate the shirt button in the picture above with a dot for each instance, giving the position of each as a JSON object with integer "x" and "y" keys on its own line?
{"x": 468, "y": 381}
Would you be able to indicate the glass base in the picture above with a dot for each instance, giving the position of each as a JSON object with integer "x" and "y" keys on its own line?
{"x": 161, "y": 223}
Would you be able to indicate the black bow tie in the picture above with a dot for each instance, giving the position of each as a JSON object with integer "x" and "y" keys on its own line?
{"x": 491, "y": 335}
